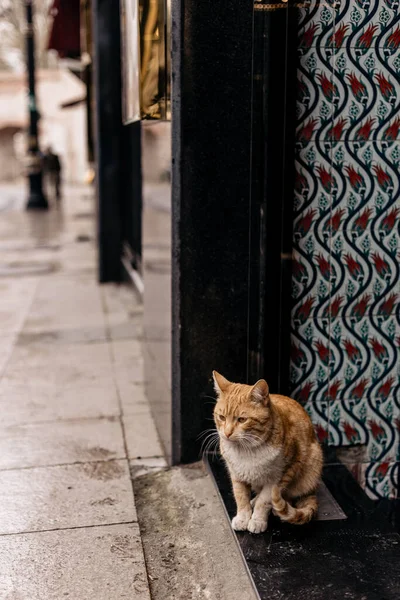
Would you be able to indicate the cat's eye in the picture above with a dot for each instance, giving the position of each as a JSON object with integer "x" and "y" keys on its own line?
{"x": 242, "y": 419}
{"x": 221, "y": 417}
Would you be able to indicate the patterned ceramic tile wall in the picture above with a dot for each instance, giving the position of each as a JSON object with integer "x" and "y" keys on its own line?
{"x": 345, "y": 364}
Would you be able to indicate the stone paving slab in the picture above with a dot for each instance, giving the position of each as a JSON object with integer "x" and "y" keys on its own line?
{"x": 132, "y": 396}
{"x": 15, "y": 304}
{"x": 141, "y": 436}
{"x": 190, "y": 549}
{"x": 65, "y": 375}
{"x": 144, "y": 466}
{"x": 56, "y": 302}
{"x": 7, "y": 341}
{"x": 71, "y": 335}
{"x": 17, "y": 292}
{"x": 60, "y": 442}
{"x": 37, "y": 353}
{"x": 97, "y": 563}
{"x": 63, "y": 497}
{"x": 125, "y": 354}
{"x": 32, "y": 399}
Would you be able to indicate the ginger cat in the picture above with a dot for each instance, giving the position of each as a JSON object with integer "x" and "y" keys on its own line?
{"x": 270, "y": 448}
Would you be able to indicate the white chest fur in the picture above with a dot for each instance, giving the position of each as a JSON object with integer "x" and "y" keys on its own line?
{"x": 263, "y": 466}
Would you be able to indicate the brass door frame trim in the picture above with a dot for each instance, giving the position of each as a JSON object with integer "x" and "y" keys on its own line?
{"x": 262, "y": 6}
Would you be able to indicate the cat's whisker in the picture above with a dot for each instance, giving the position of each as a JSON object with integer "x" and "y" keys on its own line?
{"x": 247, "y": 446}
{"x": 253, "y": 435}
{"x": 245, "y": 437}
{"x": 206, "y": 448}
{"x": 210, "y": 436}
{"x": 207, "y": 436}
{"x": 205, "y": 445}
{"x": 207, "y": 431}
{"x": 216, "y": 449}
{"x": 211, "y": 440}
{"x": 212, "y": 448}
{"x": 250, "y": 437}
{"x": 242, "y": 443}
{"x": 216, "y": 446}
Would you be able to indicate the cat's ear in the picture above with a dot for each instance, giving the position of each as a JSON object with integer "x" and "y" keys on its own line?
{"x": 220, "y": 383}
{"x": 260, "y": 392}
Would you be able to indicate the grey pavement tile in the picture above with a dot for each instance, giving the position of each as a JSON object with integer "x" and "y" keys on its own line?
{"x": 155, "y": 462}
{"x": 46, "y": 498}
{"x": 143, "y": 466}
{"x": 64, "y": 336}
{"x": 38, "y": 321}
{"x": 31, "y": 399}
{"x": 11, "y": 318}
{"x": 76, "y": 266}
{"x": 65, "y": 303}
{"x": 68, "y": 292}
{"x": 125, "y": 330}
{"x": 66, "y": 375}
{"x": 132, "y": 396}
{"x": 129, "y": 375}
{"x": 128, "y": 361}
{"x": 16, "y": 300}
{"x": 60, "y": 442}
{"x": 99, "y": 563}
{"x": 141, "y": 436}
{"x": 126, "y": 353}
{"x": 7, "y": 342}
{"x": 17, "y": 292}
{"x": 32, "y": 351}
{"x": 120, "y": 299}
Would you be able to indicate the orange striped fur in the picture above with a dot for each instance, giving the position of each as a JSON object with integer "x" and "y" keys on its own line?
{"x": 270, "y": 448}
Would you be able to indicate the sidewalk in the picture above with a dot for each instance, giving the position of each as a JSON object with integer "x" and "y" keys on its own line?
{"x": 74, "y": 416}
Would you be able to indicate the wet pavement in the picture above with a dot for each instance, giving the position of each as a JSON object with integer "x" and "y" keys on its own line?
{"x": 75, "y": 422}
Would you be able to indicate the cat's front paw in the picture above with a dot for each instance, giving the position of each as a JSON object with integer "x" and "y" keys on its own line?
{"x": 241, "y": 521}
{"x": 257, "y": 525}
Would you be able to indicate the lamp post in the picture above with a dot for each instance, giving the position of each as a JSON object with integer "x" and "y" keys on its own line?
{"x": 36, "y": 198}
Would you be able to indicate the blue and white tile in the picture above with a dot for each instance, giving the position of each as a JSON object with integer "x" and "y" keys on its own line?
{"x": 316, "y": 96}
{"x": 382, "y": 480}
{"x": 367, "y": 19}
{"x": 309, "y": 366}
{"x": 362, "y": 350}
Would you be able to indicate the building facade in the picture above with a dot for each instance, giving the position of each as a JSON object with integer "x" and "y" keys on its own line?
{"x": 247, "y": 176}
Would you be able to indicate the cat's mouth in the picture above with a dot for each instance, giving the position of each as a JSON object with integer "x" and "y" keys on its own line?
{"x": 228, "y": 439}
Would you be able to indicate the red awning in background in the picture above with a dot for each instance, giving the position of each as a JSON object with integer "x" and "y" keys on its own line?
{"x": 65, "y": 32}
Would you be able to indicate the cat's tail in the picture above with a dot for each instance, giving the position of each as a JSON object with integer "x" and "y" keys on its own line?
{"x": 305, "y": 509}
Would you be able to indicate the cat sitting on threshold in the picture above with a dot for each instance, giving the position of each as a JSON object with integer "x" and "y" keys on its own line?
{"x": 270, "y": 448}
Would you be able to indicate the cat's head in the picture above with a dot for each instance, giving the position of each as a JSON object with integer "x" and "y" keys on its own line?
{"x": 242, "y": 413}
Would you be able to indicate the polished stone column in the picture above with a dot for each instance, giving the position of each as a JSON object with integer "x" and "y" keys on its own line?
{"x": 211, "y": 130}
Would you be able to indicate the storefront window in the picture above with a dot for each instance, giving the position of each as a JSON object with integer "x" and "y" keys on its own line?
{"x": 146, "y": 60}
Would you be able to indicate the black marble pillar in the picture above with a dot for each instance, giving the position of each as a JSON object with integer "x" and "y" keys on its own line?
{"x": 108, "y": 135}
{"x": 131, "y": 194}
{"x": 118, "y": 153}
{"x": 211, "y": 130}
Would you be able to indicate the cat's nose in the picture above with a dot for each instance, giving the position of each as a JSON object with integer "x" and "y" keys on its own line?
{"x": 228, "y": 432}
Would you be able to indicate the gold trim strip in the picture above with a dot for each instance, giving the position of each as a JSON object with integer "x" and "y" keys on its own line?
{"x": 259, "y": 5}
{"x": 269, "y": 6}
